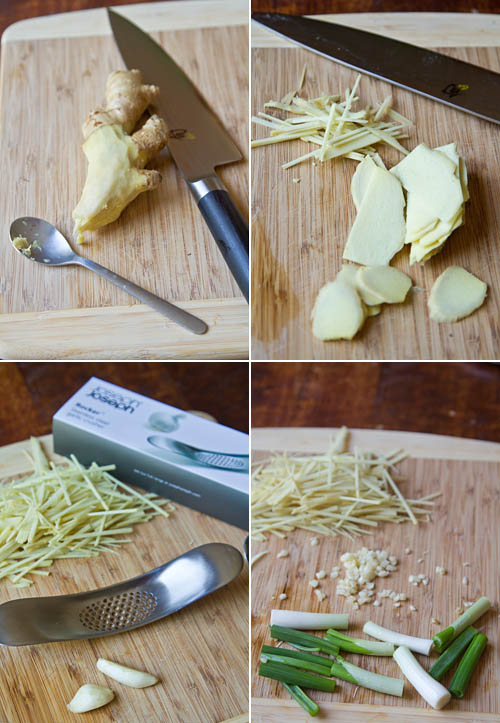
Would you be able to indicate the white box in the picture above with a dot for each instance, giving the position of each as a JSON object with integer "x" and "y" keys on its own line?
{"x": 160, "y": 448}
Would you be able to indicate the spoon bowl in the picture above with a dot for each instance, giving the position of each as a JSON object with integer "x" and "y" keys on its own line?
{"x": 43, "y": 242}
{"x": 40, "y": 241}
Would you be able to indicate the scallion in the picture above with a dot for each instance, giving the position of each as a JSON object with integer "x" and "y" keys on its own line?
{"x": 302, "y": 699}
{"x": 466, "y": 666}
{"x": 297, "y": 654}
{"x": 304, "y": 647}
{"x": 419, "y": 645}
{"x": 306, "y": 639}
{"x": 295, "y": 663}
{"x": 309, "y": 621}
{"x": 446, "y": 661}
{"x": 359, "y": 676}
{"x": 358, "y": 645}
{"x": 446, "y": 636}
{"x": 433, "y": 692}
{"x": 287, "y": 674}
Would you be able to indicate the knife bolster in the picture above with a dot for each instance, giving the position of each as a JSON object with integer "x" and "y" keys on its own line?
{"x": 204, "y": 186}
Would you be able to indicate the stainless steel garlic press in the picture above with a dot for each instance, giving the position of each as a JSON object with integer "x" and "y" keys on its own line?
{"x": 121, "y": 607}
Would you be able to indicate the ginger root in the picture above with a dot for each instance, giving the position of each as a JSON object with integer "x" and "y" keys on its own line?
{"x": 116, "y": 159}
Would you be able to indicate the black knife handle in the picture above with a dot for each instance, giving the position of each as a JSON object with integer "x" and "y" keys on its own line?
{"x": 227, "y": 226}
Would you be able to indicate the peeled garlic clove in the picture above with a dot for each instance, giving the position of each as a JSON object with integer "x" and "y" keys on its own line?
{"x": 90, "y": 696}
{"x": 127, "y": 676}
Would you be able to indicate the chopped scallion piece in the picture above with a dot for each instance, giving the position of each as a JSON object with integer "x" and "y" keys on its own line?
{"x": 419, "y": 645}
{"x": 297, "y": 637}
{"x": 466, "y": 666}
{"x": 445, "y": 637}
{"x": 359, "y": 676}
{"x": 302, "y": 699}
{"x": 304, "y": 647}
{"x": 313, "y": 667}
{"x": 433, "y": 692}
{"x": 309, "y": 621}
{"x": 298, "y": 655}
{"x": 450, "y": 656}
{"x": 287, "y": 674}
{"x": 358, "y": 645}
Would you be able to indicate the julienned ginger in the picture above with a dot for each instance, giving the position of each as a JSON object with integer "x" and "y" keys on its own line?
{"x": 115, "y": 155}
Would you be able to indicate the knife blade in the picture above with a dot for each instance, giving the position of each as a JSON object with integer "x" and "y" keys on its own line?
{"x": 453, "y": 82}
{"x": 204, "y": 145}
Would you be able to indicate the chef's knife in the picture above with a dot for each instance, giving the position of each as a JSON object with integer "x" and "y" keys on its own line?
{"x": 204, "y": 146}
{"x": 461, "y": 85}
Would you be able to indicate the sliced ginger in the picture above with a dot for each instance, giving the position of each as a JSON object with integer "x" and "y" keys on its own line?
{"x": 338, "y": 312}
{"x": 386, "y": 283}
{"x": 116, "y": 159}
{"x": 378, "y": 232}
{"x": 342, "y": 306}
{"x": 348, "y": 274}
{"x": 455, "y": 294}
{"x": 435, "y": 181}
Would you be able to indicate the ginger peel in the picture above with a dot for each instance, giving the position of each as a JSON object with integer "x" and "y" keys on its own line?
{"x": 116, "y": 159}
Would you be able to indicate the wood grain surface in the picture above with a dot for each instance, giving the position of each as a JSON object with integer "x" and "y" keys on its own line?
{"x": 126, "y": 332}
{"x": 464, "y": 528}
{"x": 299, "y": 229}
{"x": 191, "y": 652}
{"x": 31, "y": 393}
{"x": 459, "y": 399}
{"x": 11, "y": 12}
{"x": 48, "y": 86}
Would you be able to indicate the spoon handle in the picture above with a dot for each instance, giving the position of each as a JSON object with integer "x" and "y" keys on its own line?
{"x": 175, "y": 313}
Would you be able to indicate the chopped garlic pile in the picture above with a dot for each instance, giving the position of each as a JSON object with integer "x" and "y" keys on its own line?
{"x": 334, "y": 125}
{"x": 66, "y": 510}
{"x": 361, "y": 568}
{"x": 333, "y": 493}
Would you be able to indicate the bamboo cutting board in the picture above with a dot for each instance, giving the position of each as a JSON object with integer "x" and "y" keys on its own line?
{"x": 299, "y": 228}
{"x": 191, "y": 651}
{"x": 53, "y": 72}
{"x": 464, "y": 528}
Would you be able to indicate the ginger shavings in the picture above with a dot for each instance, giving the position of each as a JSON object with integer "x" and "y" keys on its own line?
{"x": 64, "y": 511}
{"x": 336, "y": 493}
{"x": 335, "y": 125}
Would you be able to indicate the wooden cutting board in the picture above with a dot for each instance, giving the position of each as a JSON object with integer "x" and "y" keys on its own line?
{"x": 299, "y": 229}
{"x": 53, "y": 72}
{"x": 192, "y": 651}
{"x": 464, "y": 528}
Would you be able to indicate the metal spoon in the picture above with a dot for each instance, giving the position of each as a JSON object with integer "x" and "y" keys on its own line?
{"x": 45, "y": 244}
{"x": 121, "y": 607}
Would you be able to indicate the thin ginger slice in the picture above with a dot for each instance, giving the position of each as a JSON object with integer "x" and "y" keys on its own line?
{"x": 361, "y": 179}
{"x": 432, "y": 176}
{"x": 338, "y": 312}
{"x": 385, "y": 282}
{"x": 379, "y": 229}
{"x": 116, "y": 160}
{"x": 455, "y": 294}
{"x": 436, "y": 184}
{"x": 348, "y": 274}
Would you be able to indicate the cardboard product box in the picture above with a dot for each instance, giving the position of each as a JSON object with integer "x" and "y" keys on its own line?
{"x": 162, "y": 449}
